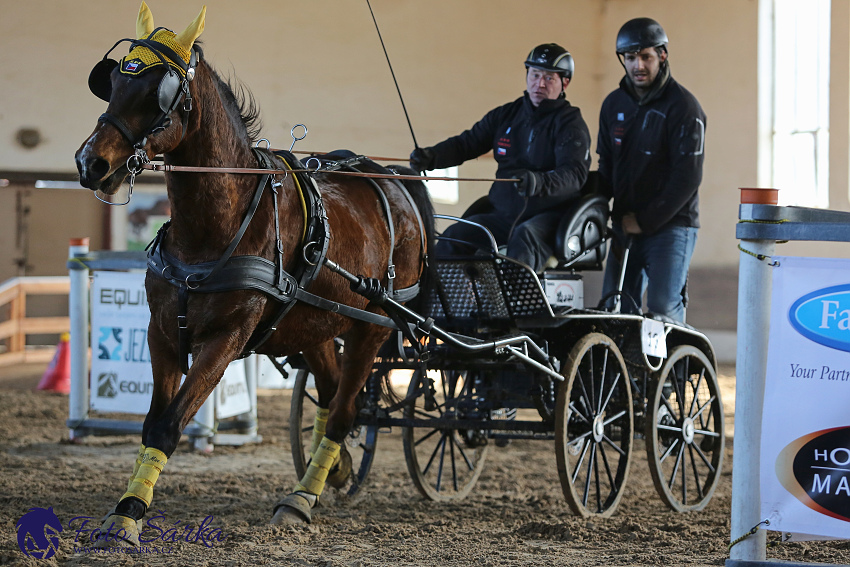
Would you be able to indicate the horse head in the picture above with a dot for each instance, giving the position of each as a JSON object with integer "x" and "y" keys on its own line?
{"x": 149, "y": 102}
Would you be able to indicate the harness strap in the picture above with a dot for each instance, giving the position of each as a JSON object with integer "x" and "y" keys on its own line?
{"x": 183, "y": 339}
{"x": 252, "y": 209}
{"x": 386, "y": 204}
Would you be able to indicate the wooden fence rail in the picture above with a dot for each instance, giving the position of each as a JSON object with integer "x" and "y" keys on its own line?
{"x": 15, "y": 329}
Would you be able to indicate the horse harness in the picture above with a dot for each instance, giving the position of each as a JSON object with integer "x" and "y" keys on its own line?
{"x": 235, "y": 273}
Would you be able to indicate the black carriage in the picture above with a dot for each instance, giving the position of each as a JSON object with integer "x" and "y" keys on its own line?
{"x": 512, "y": 355}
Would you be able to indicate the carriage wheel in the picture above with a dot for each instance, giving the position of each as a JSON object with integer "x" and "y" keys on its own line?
{"x": 684, "y": 431}
{"x": 443, "y": 463}
{"x": 360, "y": 443}
{"x": 593, "y": 427}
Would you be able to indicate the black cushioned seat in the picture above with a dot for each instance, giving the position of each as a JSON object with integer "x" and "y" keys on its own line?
{"x": 580, "y": 241}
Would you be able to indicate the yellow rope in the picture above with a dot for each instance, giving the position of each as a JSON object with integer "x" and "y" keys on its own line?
{"x": 300, "y": 196}
{"x": 755, "y": 528}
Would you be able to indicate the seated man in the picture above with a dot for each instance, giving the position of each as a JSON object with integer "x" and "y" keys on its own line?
{"x": 539, "y": 139}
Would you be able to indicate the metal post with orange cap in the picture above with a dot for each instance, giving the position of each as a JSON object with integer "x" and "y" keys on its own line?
{"x": 754, "y": 289}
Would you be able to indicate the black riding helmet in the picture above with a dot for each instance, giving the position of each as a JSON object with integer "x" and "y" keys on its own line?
{"x": 640, "y": 33}
{"x": 551, "y": 57}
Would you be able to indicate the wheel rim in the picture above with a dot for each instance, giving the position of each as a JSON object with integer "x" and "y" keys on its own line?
{"x": 361, "y": 442}
{"x": 685, "y": 432}
{"x": 593, "y": 427}
{"x": 444, "y": 464}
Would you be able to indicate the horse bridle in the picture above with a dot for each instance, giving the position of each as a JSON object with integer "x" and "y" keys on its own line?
{"x": 171, "y": 90}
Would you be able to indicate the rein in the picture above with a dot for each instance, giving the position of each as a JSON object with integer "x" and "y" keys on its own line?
{"x": 161, "y": 167}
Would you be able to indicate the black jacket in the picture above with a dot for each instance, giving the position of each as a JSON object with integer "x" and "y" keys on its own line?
{"x": 551, "y": 140}
{"x": 651, "y": 155}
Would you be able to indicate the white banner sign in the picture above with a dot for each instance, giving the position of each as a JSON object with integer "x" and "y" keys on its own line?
{"x": 121, "y": 377}
{"x": 805, "y": 448}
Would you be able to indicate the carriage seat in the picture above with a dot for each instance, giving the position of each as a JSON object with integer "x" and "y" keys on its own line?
{"x": 580, "y": 241}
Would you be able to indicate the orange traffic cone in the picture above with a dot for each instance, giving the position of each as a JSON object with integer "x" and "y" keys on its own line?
{"x": 57, "y": 377}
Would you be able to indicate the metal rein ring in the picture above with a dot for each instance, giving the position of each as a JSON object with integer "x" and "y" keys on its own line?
{"x": 135, "y": 163}
{"x": 190, "y": 285}
{"x": 266, "y": 140}
{"x": 297, "y": 138}
{"x": 318, "y": 164}
{"x": 307, "y": 248}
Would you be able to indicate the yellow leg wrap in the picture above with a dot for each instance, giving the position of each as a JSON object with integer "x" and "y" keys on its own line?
{"x": 320, "y": 425}
{"x": 153, "y": 460}
{"x": 324, "y": 458}
{"x": 139, "y": 458}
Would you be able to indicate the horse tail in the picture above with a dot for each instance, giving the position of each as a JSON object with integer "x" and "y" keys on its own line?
{"x": 419, "y": 193}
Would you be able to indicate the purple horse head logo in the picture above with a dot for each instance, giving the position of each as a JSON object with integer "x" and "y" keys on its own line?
{"x": 38, "y": 532}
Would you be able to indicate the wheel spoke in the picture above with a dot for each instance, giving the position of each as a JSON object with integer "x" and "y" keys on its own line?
{"x": 610, "y": 392}
{"x": 602, "y": 382}
{"x": 425, "y": 437}
{"x": 452, "y": 445}
{"x": 696, "y": 392}
{"x": 669, "y": 451}
{"x": 441, "y": 462}
{"x": 611, "y": 480}
{"x": 584, "y": 395}
{"x": 670, "y": 409}
{"x": 579, "y": 464}
{"x": 705, "y": 460}
{"x": 706, "y": 432}
{"x": 465, "y": 458}
{"x": 578, "y": 412}
{"x": 613, "y": 445}
{"x": 596, "y": 479}
{"x": 676, "y": 466}
{"x": 440, "y": 443}
{"x": 592, "y": 388}
{"x": 697, "y": 481}
{"x": 589, "y": 474}
{"x": 615, "y": 417}
{"x": 704, "y": 406}
{"x": 684, "y": 475}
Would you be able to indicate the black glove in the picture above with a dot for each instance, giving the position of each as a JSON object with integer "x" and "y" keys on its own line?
{"x": 528, "y": 184}
{"x": 422, "y": 159}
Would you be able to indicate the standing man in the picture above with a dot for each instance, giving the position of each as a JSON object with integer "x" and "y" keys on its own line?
{"x": 539, "y": 139}
{"x": 650, "y": 146}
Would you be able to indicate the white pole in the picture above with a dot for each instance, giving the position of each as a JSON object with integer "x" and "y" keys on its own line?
{"x": 252, "y": 364}
{"x": 78, "y": 311}
{"x": 754, "y": 291}
{"x": 205, "y": 418}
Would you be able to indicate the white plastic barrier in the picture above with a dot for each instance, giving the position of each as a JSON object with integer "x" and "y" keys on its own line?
{"x": 121, "y": 375}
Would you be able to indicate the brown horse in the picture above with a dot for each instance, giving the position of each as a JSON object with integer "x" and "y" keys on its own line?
{"x": 164, "y": 98}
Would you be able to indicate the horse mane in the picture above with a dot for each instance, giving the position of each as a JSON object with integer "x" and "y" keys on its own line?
{"x": 239, "y": 101}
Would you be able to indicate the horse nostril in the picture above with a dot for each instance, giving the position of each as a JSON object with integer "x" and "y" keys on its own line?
{"x": 97, "y": 168}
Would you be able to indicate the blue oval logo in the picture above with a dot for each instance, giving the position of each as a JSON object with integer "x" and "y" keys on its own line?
{"x": 823, "y": 316}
